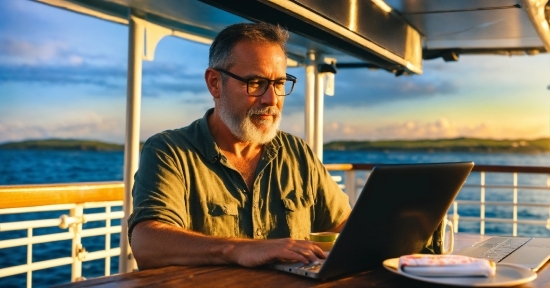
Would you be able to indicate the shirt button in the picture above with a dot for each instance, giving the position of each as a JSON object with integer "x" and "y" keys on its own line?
{"x": 259, "y": 232}
{"x": 255, "y": 206}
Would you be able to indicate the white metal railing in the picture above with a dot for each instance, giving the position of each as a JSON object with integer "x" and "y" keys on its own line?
{"x": 482, "y": 219}
{"x": 78, "y": 197}
{"x": 75, "y": 232}
{"x": 352, "y": 183}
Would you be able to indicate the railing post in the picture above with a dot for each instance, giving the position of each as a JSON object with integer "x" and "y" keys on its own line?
{"x": 108, "y": 240}
{"x": 482, "y": 204}
{"x": 548, "y": 219}
{"x": 515, "y": 206}
{"x": 78, "y": 252}
{"x": 29, "y": 257}
{"x": 351, "y": 189}
{"x": 455, "y": 216}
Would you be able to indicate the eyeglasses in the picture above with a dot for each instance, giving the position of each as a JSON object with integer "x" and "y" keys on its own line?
{"x": 257, "y": 86}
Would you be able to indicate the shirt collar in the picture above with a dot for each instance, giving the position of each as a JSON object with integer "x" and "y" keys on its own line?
{"x": 208, "y": 146}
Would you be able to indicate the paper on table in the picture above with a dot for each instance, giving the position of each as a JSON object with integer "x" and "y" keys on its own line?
{"x": 446, "y": 265}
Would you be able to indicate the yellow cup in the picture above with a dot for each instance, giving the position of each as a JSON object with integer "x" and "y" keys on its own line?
{"x": 324, "y": 240}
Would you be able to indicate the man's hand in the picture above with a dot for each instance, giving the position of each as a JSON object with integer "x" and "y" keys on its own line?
{"x": 157, "y": 244}
{"x": 250, "y": 253}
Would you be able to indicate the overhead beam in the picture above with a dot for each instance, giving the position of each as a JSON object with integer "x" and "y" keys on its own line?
{"x": 331, "y": 23}
{"x": 536, "y": 12}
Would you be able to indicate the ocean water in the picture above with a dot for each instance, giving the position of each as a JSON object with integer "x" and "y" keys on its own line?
{"x": 45, "y": 167}
{"x": 42, "y": 167}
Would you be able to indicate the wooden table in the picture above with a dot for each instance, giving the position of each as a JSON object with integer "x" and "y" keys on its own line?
{"x": 235, "y": 276}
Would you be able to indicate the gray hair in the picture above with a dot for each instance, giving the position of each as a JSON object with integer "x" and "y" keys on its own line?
{"x": 220, "y": 55}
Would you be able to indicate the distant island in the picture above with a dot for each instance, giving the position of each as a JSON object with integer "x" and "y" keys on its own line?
{"x": 446, "y": 145}
{"x": 62, "y": 144}
{"x": 441, "y": 145}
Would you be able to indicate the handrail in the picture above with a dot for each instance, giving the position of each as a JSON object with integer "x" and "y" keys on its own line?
{"x": 351, "y": 190}
{"x": 17, "y": 196}
{"x": 477, "y": 168}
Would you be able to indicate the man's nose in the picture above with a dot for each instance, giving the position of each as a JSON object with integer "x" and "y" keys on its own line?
{"x": 269, "y": 98}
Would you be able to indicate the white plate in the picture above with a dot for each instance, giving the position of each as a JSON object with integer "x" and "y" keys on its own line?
{"x": 506, "y": 275}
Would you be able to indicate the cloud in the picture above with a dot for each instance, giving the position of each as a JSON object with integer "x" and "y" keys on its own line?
{"x": 19, "y": 131}
{"x": 107, "y": 78}
{"x": 18, "y": 16}
{"x": 161, "y": 78}
{"x": 439, "y": 128}
{"x": 367, "y": 88}
{"x": 24, "y": 52}
{"x": 52, "y": 63}
{"x": 363, "y": 87}
{"x": 55, "y": 63}
{"x": 85, "y": 125}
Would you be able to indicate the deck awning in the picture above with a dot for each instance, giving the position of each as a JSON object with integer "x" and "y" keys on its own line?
{"x": 358, "y": 39}
{"x": 395, "y": 35}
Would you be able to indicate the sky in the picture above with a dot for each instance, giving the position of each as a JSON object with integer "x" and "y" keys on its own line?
{"x": 63, "y": 75}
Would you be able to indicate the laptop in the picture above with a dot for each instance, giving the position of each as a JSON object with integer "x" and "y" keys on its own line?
{"x": 525, "y": 251}
{"x": 398, "y": 210}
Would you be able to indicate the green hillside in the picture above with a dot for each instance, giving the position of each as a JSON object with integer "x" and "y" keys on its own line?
{"x": 62, "y": 144}
{"x": 449, "y": 145}
{"x": 456, "y": 144}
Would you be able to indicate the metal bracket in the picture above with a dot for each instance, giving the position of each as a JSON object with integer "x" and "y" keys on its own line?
{"x": 67, "y": 221}
{"x": 329, "y": 70}
{"x": 80, "y": 252}
{"x": 152, "y": 34}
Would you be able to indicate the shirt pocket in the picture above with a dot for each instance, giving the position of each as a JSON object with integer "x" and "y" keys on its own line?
{"x": 298, "y": 214}
{"x": 222, "y": 219}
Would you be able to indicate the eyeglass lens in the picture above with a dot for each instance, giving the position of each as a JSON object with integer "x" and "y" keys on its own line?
{"x": 257, "y": 87}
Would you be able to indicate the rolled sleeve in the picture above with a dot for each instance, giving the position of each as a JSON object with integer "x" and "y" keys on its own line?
{"x": 159, "y": 190}
{"x": 333, "y": 206}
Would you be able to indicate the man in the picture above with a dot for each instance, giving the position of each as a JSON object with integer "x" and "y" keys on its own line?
{"x": 231, "y": 188}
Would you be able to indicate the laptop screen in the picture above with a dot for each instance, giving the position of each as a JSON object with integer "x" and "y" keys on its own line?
{"x": 396, "y": 213}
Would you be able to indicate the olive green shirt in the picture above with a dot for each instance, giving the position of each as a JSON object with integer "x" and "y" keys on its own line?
{"x": 184, "y": 180}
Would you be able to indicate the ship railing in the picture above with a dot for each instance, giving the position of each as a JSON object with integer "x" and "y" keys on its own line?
{"x": 77, "y": 204}
{"x": 74, "y": 205}
{"x": 352, "y": 182}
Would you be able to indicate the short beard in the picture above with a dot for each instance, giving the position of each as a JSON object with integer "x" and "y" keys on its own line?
{"x": 242, "y": 127}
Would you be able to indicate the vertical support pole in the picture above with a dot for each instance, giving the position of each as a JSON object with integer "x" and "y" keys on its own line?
{"x": 76, "y": 230}
{"x": 482, "y": 204}
{"x": 108, "y": 240}
{"x": 131, "y": 147}
{"x": 455, "y": 216}
{"x": 515, "y": 207}
{"x": 141, "y": 46}
{"x": 318, "y": 116}
{"x": 29, "y": 258}
{"x": 351, "y": 189}
{"x": 309, "y": 111}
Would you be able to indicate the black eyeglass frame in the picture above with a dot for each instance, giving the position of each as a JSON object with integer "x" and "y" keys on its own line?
{"x": 270, "y": 81}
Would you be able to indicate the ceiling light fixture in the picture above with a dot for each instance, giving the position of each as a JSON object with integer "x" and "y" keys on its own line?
{"x": 382, "y": 5}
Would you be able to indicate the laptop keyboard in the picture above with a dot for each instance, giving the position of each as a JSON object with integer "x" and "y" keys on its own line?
{"x": 502, "y": 249}
{"x": 312, "y": 267}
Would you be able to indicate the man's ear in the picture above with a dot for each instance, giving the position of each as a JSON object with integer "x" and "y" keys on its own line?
{"x": 213, "y": 82}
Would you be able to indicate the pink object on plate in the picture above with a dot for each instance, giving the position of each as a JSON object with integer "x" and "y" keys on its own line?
{"x": 429, "y": 265}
